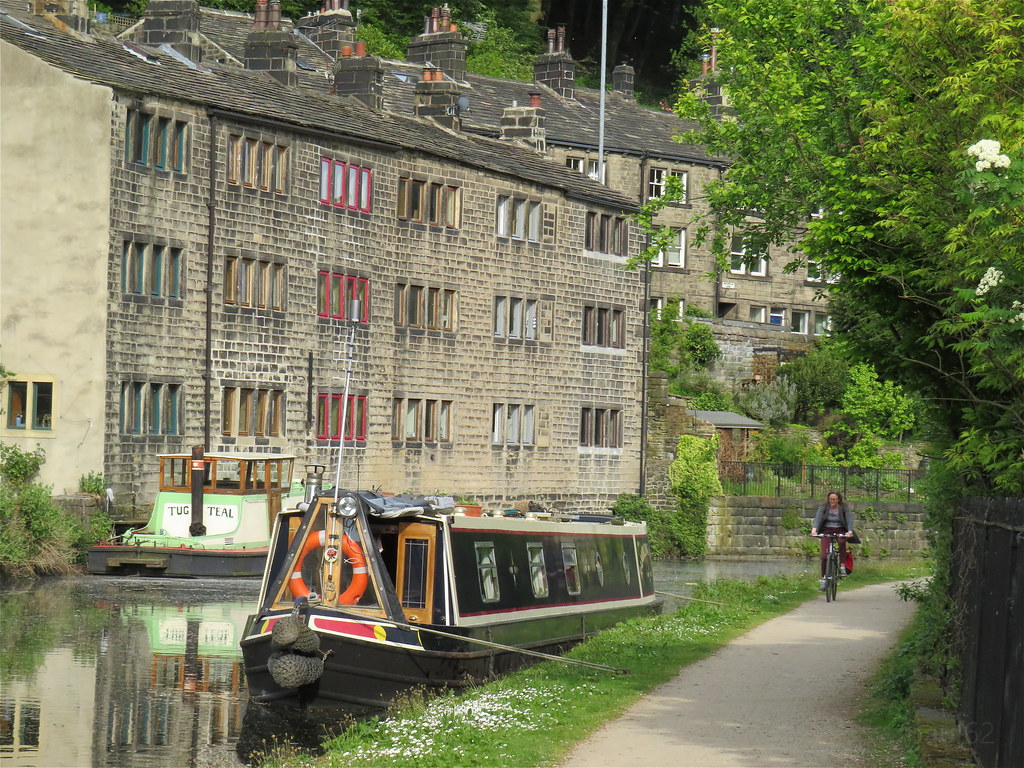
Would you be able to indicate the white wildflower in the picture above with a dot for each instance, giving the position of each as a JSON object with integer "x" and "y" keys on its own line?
{"x": 989, "y": 281}
{"x": 987, "y": 152}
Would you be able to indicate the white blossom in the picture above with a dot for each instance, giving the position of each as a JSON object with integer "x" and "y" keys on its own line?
{"x": 1019, "y": 317}
{"x": 987, "y": 152}
{"x": 989, "y": 281}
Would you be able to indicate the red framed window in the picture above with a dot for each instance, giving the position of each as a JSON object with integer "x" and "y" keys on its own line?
{"x": 345, "y": 185}
{"x": 328, "y": 422}
{"x": 336, "y": 292}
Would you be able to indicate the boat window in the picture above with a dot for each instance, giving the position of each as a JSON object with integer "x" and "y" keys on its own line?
{"x": 228, "y": 474}
{"x": 414, "y": 577}
{"x": 256, "y": 475}
{"x": 487, "y": 567}
{"x": 572, "y": 572}
{"x": 175, "y": 473}
{"x": 626, "y": 569}
{"x": 538, "y": 573}
{"x": 599, "y": 568}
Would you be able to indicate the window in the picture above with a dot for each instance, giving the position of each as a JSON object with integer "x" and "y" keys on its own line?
{"x": 664, "y": 309}
{"x": 519, "y": 218}
{"x": 656, "y": 182}
{"x": 149, "y": 269}
{"x": 572, "y": 571}
{"x": 443, "y": 207}
{"x": 822, "y": 323}
{"x": 329, "y": 417}
{"x": 758, "y": 314}
{"x": 816, "y": 273}
{"x": 800, "y": 321}
{"x": 136, "y": 137}
{"x": 343, "y": 297}
{"x": 538, "y": 569}
{"x": 257, "y": 164}
{"x": 601, "y": 427}
{"x": 574, "y": 163}
{"x": 421, "y": 420}
{"x": 150, "y": 408}
{"x": 516, "y": 317}
{"x": 252, "y": 282}
{"x": 487, "y": 568}
{"x": 30, "y": 404}
{"x": 777, "y": 316}
{"x": 346, "y": 185}
{"x": 419, "y": 306}
{"x": 742, "y": 264}
{"x": 675, "y": 254}
{"x": 252, "y": 411}
{"x": 512, "y": 424}
{"x": 604, "y": 327}
{"x": 606, "y": 233}
{"x": 594, "y": 170}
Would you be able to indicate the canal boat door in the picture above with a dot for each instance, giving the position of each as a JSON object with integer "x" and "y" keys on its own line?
{"x": 417, "y": 548}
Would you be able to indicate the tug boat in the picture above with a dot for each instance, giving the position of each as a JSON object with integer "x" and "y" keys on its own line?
{"x": 366, "y": 596}
{"x": 228, "y": 534}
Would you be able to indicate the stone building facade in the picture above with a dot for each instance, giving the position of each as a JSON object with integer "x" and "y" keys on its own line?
{"x": 226, "y": 232}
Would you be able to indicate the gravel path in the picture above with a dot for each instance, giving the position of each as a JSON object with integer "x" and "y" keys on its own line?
{"x": 760, "y": 702}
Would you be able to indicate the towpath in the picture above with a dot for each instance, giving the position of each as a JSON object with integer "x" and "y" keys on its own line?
{"x": 785, "y": 695}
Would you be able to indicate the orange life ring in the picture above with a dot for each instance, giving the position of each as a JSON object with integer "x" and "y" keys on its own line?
{"x": 353, "y": 554}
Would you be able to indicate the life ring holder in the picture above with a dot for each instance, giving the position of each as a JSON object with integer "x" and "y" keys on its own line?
{"x": 353, "y": 555}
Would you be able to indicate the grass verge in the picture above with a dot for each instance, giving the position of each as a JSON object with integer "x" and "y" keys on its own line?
{"x": 535, "y": 716}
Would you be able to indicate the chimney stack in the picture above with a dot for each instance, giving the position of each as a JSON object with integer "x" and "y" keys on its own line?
{"x": 441, "y": 44}
{"x": 270, "y": 49}
{"x": 622, "y": 79}
{"x": 556, "y": 69}
{"x": 330, "y": 29}
{"x": 361, "y": 76}
{"x": 174, "y": 22}
{"x": 437, "y": 98}
{"x": 525, "y": 125}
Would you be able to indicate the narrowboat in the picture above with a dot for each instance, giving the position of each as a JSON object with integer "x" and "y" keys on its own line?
{"x": 367, "y": 596}
{"x": 226, "y": 532}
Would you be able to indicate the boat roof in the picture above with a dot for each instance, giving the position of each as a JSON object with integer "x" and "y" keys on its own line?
{"x": 230, "y": 456}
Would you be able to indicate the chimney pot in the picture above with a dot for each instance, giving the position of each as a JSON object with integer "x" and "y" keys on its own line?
{"x": 360, "y": 49}
{"x": 346, "y": 51}
{"x": 534, "y": 99}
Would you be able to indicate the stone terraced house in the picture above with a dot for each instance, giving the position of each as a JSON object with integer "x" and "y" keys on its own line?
{"x": 197, "y": 212}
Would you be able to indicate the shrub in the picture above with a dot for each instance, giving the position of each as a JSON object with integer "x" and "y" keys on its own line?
{"x": 699, "y": 343}
{"x": 663, "y": 532}
{"x": 94, "y": 483}
{"x": 774, "y": 447}
{"x": 693, "y": 477}
{"x": 18, "y": 466}
{"x": 772, "y": 402}
{"x": 711, "y": 401}
{"x": 820, "y": 378}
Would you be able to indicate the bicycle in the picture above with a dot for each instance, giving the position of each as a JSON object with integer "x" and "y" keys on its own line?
{"x": 833, "y": 571}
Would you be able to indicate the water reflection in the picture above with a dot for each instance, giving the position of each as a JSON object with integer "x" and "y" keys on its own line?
{"x": 147, "y": 673}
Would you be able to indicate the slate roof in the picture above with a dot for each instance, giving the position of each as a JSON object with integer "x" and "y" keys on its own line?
{"x": 106, "y": 60}
{"x": 629, "y": 127}
{"x": 726, "y": 419}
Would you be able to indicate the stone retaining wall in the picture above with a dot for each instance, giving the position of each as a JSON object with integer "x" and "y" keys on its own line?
{"x": 767, "y": 525}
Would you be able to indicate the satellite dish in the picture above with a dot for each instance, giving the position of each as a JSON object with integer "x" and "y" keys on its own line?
{"x": 462, "y": 103}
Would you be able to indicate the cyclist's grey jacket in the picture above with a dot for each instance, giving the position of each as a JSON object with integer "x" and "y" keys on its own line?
{"x": 845, "y": 516}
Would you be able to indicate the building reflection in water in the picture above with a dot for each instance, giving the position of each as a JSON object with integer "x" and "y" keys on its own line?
{"x": 105, "y": 672}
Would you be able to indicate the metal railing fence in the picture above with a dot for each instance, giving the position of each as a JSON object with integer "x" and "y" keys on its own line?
{"x": 747, "y": 478}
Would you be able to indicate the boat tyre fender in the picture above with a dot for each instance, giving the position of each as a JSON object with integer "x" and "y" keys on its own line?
{"x": 291, "y": 670}
{"x": 353, "y": 555}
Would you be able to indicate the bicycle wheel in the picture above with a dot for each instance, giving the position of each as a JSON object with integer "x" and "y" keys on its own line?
{"x": 831, "y": 576}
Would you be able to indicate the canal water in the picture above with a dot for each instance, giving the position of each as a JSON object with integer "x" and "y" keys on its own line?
{"x": 100, "y": 672}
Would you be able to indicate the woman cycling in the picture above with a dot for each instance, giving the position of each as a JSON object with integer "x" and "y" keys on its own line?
{"x": 834, "y": 516}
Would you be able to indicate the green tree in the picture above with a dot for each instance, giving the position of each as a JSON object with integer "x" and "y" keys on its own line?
{"x": 903, "y": 121}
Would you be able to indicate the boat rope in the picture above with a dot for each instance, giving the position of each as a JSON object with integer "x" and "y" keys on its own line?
{"x": 684, "y": 597}
{"x": 514, "y": 649}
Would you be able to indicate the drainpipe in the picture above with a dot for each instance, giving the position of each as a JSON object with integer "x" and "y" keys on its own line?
{"x": 211, "y": 205}
{"x": 645, "y": 314}
{"x": 198, "y": 476}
